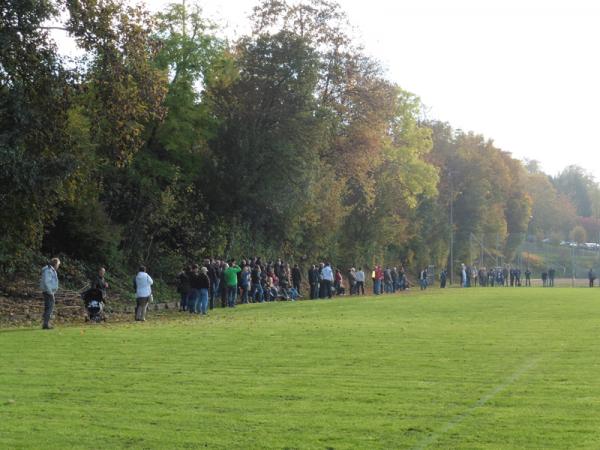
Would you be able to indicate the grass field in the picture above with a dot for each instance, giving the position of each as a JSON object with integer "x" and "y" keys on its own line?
{"x": 478, "y": 368}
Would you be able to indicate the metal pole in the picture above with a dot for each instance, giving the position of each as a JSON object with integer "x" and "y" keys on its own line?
{"x": 572, "y": 266}
{"x": 481, "y": 252}
{"x": 451, "y": 237}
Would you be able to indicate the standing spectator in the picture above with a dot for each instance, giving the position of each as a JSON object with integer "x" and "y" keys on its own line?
{"x": 313, "y": 281}
{"x": 194, "y": 295}
{"x": 210, "y": 274}
{"x": 591, "y": 277}
{"x": 327, "y": 280}
{"x": 214, "y": 273}
{"x": 379, "y": 276}
{"x": 256, "y": 293}
{"x": 338, "y": 283}
{"x": 394, "y": 279}
{"x": 518, "y": 277}
{"x": 231, "y": 274}
{"x": 49, "y": 286}
{"x": 100, "y": 283}
{"x": 183, "y": 287}
{"x": 528, "y": 277}
{"x": 204, "y": 289}
{"x": 143, "y": 293}
{"x": 245, "y": 282}
{"x": 296, "y": 278}
{"x": 352, "y": 280}
{"x": 402, "y": 283}
{"x": 545, "y": 279}
{"x": 360, "y": 282}
{"x": 443, "y": 278}
{"x": 551, "y": 275}
{"x": 387, "y": 280}
{"x": 223, "y": 284}
{"x": 423, "y": 279}
{"x": 278, "y": 269}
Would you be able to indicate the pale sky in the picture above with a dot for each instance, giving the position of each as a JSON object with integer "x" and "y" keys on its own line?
{"x": 525, "y": 73}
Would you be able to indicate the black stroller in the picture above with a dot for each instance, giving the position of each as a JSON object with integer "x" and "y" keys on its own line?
{"x": 94, "y": 305}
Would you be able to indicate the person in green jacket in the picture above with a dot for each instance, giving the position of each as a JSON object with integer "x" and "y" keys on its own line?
{"x": 230, "y": 274}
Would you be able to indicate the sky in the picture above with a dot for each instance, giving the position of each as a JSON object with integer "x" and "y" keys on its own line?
{"x": 524, "y": 73}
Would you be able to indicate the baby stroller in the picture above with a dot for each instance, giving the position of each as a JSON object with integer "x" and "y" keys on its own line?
{"x": 94, "y": 305}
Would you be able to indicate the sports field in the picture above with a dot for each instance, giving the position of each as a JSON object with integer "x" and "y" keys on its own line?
{"x": 475, "y": 368}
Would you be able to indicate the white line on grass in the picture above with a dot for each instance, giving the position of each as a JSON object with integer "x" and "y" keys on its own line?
{"x": 457, "y": 420}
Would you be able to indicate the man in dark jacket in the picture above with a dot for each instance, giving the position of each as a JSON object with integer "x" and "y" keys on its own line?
{"x": 183, "y": 287}
{"x": 100, "y": 283}
{"x": 194, "y": 296}
{"x": 313, "y": 281}
{"x": 296, "y": 277}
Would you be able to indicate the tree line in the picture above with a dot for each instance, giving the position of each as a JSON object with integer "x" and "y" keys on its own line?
{"x": 164, "y": 143}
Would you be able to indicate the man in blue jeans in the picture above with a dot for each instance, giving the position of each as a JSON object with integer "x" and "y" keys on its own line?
{"x": 204, "y": 287}
{"x": 194, "y": 295}
{"x": 256, "y": 294}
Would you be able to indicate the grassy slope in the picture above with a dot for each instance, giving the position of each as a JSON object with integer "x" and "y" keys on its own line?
{"x": 494, "y": 368}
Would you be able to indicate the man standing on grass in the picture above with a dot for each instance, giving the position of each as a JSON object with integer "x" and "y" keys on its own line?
{"x": 296, "y": 278}
{"x": 360, "y": 282}
{"x": 313, "y": 281}
{"x": 528, "y": 277}
{"x": 231, "y": 278}
{"x": 443, "y": 278}
{"x": 327, "y": 280}
{"x": 143, "y": 293}
{"x": 194, "y": 295}
{"x": 49, "y": 286}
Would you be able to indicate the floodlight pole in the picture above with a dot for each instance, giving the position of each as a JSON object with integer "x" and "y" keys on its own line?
{"x": 572, "y": 266}
{"x": 451, "y": 230}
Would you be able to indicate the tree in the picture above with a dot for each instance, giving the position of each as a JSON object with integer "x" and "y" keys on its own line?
{"x": 266, "y": 147}
{"x": 578, "y": 186}
{"x": 36, "y": 161}
{"x": 124, "y": 90}
{"x": 578, "y": 234}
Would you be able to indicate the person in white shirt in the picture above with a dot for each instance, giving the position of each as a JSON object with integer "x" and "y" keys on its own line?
{"x": 143, "y": 293}
{"x": 360, "y": 282}
{"x": 327, "y": 280}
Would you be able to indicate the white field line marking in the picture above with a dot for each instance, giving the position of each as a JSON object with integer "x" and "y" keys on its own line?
{"x": 481, "y": 402}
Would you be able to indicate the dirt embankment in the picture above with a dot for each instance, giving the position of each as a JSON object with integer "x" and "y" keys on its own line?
{"x": 21, "y": 304}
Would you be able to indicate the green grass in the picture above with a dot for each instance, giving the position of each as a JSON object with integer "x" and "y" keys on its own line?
{"x": 492, "y": 368}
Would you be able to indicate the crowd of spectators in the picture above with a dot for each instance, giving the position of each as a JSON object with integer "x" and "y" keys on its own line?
{"x": 226, "y": 283}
